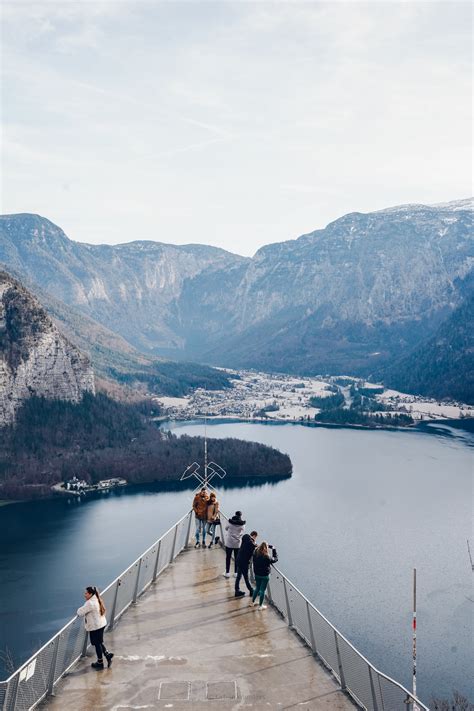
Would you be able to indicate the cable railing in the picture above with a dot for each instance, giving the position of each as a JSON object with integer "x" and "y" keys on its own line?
{"x": 368, "y": 687}
{"x": 37, "y": 677}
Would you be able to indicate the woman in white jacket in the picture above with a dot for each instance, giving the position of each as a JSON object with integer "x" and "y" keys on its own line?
{"x": 234, "y": 532}
{"x": 93, "y": 612}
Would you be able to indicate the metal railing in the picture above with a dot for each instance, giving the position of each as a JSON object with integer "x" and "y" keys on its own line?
{"x": 36, "y": 678}
{"x": 368, "y": 687}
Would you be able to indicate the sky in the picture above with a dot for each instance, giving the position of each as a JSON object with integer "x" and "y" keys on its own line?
{"x": 234, "y": 124}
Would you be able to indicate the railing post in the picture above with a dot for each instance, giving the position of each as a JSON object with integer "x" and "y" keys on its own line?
{"x": 339, "y": 663}
{"x": 288, "y": 609}
{"x": 221, "y": 538}
{"x": 372, "y": 688}
{"x": 135, "y": 592}
{"x": 157, "y": 559}
{"x": 85, "y": 644}
{"x": 114, "y": 606}
{"x": 52, "y": 671}
{"x": 13, "y": 695}
{"x": 188, "y": 533}
{"x": 311, "y": 631}
{"x": 174, "y": 543}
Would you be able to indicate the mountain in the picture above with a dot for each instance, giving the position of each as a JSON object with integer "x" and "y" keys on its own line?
{"x": 352, "y": 297}
{"x": 359, "y": 293}
{"x": 35, "y": 358}
{"x": 130, "y": 288}
{"x": 115, "y": 361}
{"x": 443, "y": 366}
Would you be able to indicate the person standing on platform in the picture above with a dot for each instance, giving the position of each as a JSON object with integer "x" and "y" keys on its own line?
{"x": 212, "y": 517}
{"x": 261, "y": 567}
{"x": 95, "y": 622}
{"x": 200, "y": 511}
{"x": 234, "y": 532}
{"x": 244, "y": 557}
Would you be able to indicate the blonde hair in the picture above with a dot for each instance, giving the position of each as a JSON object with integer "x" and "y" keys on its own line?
{"x": 262, "y": 549}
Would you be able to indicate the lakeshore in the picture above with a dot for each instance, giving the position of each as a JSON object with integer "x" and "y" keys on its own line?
{"x": 267, "y": 397}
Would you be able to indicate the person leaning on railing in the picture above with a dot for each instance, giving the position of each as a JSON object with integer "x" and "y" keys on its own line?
{"x": 200, "y": 511}
{"x": 95, "y": 622}
{"x": 261, "y": 567}
{"x": 212, "y": 517}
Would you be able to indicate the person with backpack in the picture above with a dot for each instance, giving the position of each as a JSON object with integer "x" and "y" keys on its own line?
{"x": 200, "y": 511}
{"x": 244, "y": 557}
{"x": 95, "y": 622}
{"x": 234, "y": 532}
{"x": 212, "y": 517}
{"x": 261, "y": 567}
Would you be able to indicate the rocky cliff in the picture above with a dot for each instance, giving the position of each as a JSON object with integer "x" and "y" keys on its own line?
{"x": 130, "y": 288}
{"x": 348, "y": 298}
{"x": 35, "y": 359}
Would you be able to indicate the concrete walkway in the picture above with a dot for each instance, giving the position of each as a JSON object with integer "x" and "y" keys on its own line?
{"x": 190, "y": 644}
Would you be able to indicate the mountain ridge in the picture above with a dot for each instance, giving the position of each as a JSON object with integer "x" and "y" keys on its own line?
{"x": 351, "y": 297}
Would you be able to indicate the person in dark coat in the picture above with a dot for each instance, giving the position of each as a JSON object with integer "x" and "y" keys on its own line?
{"x": 244, "y": 556}
{"x": 261, "y": 567}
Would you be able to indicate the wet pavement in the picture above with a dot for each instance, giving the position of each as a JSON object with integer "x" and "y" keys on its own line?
{"x": 190, "y": 644}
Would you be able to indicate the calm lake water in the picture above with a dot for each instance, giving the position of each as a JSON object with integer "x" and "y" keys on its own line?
{"x": 362, "y": 509}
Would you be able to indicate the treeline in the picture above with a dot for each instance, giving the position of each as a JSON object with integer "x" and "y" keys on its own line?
{"x": 171, "y": 378}
{"x": 327, "y": 403}
{"x": 100, "y": 438}
{"x": 353, "y": 416}
{"x": 443, "y": 366}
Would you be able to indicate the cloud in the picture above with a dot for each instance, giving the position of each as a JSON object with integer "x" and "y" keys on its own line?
{"x": 294, "y": 111}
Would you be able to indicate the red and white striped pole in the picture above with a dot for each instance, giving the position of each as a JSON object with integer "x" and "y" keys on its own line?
{"x": 414, "y": 637}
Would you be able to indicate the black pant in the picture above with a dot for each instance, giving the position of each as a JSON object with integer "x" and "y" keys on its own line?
{"x": 243, "y": 570}
{"x": 228, "y": 557}
{"x": 97, "y": 640}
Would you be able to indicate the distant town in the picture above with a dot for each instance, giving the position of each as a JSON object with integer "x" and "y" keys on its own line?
{"x": 279, "y": 397}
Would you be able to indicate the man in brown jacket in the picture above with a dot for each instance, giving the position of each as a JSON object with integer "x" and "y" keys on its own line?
{"x": 200, "y": 511}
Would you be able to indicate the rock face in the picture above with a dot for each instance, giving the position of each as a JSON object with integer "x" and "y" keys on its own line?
{"x": 35, "y": 359}
{"x": 130, "y": 288}
{"x": 349, "y": 298}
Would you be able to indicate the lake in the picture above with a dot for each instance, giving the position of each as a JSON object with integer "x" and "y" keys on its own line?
{"x": 362, "y": 509}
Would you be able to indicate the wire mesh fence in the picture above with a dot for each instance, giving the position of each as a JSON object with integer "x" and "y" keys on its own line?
{"x": 369, "y": 688}
{"x": 36, "y": 678}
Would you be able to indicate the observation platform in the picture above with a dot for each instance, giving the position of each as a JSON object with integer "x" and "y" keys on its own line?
{"x": 189, "y": 644}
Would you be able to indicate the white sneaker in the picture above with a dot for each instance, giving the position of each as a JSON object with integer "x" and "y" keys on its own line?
{"x": 226, "y": 575}
{"x": 235, "y": 575}
{"x": 254, "y": 604}
{"x": 262, "y": 607}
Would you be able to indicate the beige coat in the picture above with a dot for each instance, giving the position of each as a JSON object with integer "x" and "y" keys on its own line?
{"x": 212, "y": 511}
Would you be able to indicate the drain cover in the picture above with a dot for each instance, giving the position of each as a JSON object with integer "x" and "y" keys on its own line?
{"x": 178, "y": 690}
{"x": 221, "y": 690}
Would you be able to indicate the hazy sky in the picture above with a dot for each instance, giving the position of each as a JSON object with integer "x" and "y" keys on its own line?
{"x": 231, "y": 123}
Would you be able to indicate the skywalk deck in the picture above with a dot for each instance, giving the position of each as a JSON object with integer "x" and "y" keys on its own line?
{"x": 189, "y": 644}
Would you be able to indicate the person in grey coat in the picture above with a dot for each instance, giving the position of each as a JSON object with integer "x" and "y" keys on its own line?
{"x": 233, "y": 536}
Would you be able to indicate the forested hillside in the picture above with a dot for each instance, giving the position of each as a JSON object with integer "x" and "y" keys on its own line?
{"x": 100, "y": 438}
